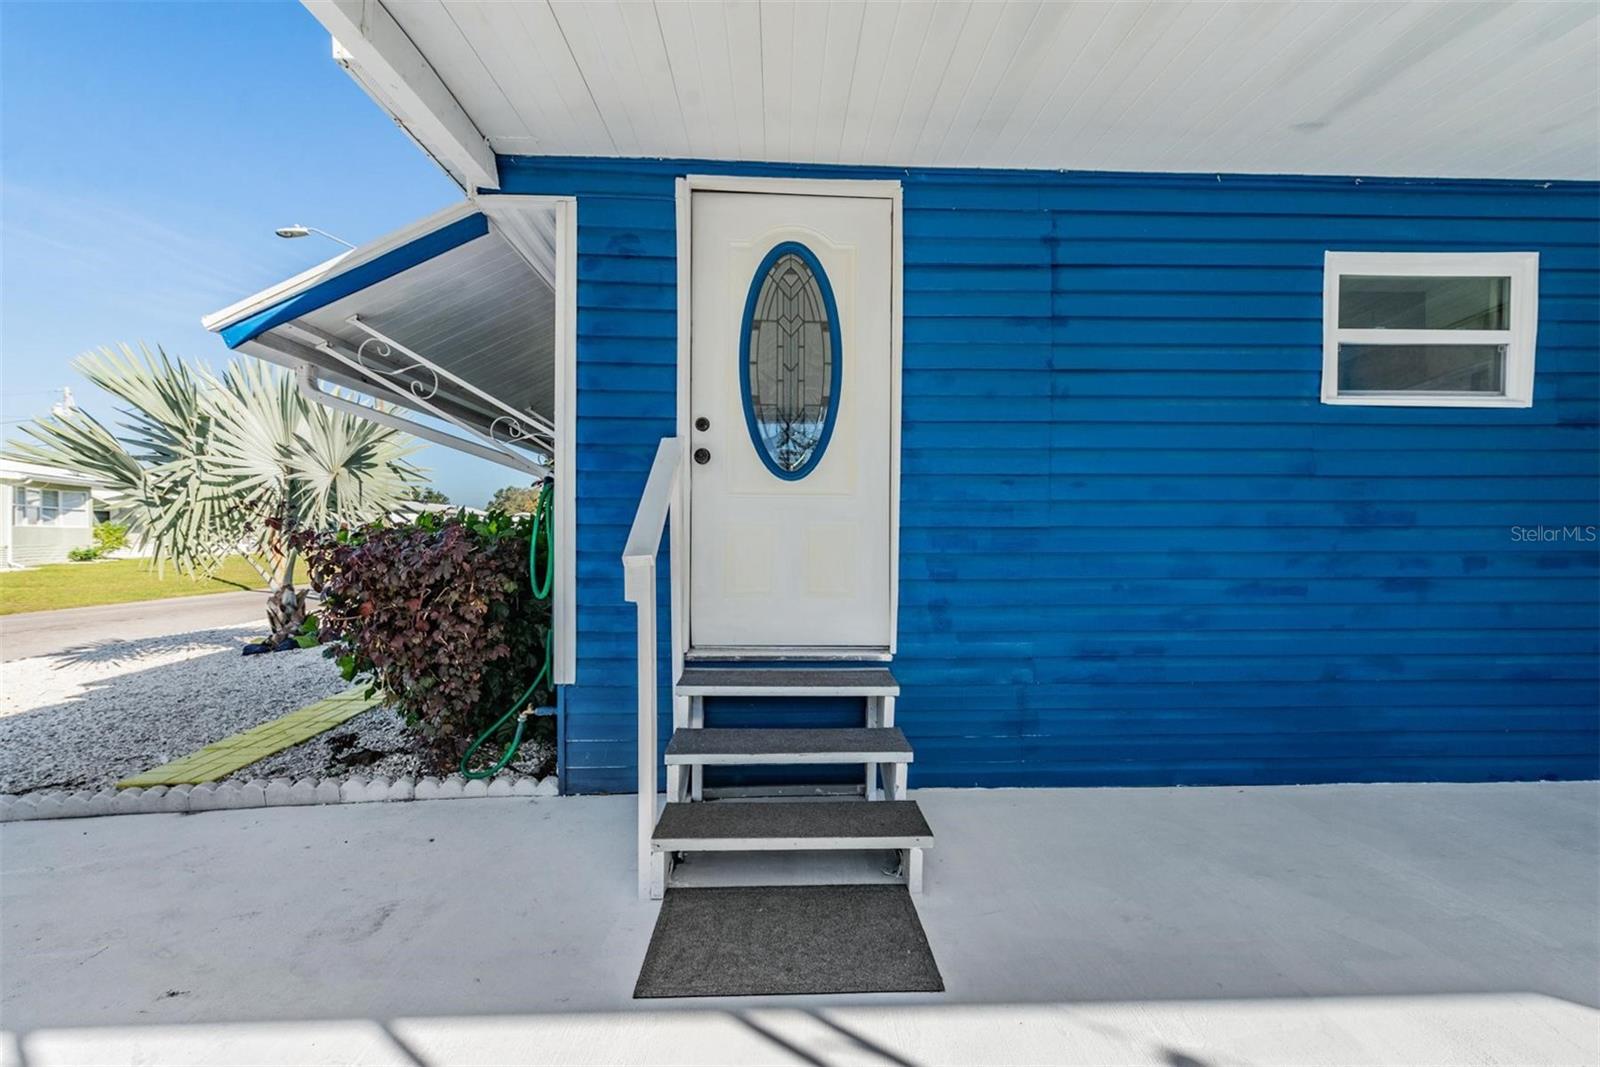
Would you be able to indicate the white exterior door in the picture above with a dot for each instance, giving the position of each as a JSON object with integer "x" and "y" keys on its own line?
{"x": 791, "y": 423}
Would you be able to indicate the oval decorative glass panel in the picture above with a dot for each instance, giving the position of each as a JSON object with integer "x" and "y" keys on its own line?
{"x": 789, "y": 360}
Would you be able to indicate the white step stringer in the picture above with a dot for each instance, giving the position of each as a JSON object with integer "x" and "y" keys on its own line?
{"x": 881, "y": 818}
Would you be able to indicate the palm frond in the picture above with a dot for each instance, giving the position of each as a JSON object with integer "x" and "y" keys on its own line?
{"x": 205, "y": 462}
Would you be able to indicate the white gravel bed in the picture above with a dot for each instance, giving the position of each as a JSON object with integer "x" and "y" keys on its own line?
{"x": 376, "y": 743}
{"x": 85, "y": 718}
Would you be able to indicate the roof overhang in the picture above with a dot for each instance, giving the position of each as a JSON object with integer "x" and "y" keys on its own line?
{"x": 378, "y": 54}
{"x": 17, "y": 472}
{"x": 1410, "y": 88}
{"x": 452, "y": 319}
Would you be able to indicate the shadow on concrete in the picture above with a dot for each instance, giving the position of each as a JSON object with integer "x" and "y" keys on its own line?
{"x": 1484, "y": 1029}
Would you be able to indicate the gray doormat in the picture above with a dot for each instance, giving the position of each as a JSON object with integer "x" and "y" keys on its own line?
{"x": 746, "y": 941}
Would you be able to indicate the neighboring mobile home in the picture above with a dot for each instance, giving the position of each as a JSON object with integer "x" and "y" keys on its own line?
{"x": 47, "y": 513}
{"x": 1167, "y": 394}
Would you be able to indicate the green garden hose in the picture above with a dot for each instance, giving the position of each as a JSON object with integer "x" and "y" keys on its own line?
{"x": 541, "y": 590}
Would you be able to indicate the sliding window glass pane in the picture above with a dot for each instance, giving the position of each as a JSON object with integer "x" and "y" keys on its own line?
{"x": 1395, "y": 302}
{"x": 1422, "y": 369}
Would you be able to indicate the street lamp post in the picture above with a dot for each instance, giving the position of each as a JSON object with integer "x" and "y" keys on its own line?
{"x": 297, "y": 230}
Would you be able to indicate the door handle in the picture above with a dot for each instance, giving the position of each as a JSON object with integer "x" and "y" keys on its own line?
{"x": 702, "y": 456}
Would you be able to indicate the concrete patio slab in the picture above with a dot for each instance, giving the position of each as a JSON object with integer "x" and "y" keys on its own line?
{"x": 1327, "y": 924}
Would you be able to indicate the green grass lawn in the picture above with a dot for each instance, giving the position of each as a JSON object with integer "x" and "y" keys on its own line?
{"x": 112, "y": 581}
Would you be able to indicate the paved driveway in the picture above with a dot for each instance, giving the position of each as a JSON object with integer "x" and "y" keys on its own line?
{"x": 1374, "y": 924}
{"x": 43, "y": 633}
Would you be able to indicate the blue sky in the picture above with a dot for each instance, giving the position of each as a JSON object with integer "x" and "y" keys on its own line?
{"x": 147, "y": 152}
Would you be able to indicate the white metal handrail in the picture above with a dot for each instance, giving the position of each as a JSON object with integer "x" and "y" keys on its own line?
{"x": 639, "y": 589}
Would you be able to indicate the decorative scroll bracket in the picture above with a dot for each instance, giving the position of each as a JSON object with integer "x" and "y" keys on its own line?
{"x": 517, "y": 426}
{"x": 399, "y": 375}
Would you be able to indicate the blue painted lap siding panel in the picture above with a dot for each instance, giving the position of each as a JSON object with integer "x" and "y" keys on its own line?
{"x": 1135, "y": 549}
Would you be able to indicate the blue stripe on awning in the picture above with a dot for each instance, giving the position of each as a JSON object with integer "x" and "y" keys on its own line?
{"x": 373, "y": 271}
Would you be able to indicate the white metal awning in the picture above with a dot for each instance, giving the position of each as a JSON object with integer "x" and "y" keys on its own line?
{"x": 453, "y": 318}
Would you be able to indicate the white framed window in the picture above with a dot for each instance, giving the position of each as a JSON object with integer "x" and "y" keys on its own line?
{"x": 37, "y": 507}
{"x": 75, "y": 508}
{"x": 49, "y": 507}
{"x": 1429, "y": 329}
{"x": 24, "y": 506}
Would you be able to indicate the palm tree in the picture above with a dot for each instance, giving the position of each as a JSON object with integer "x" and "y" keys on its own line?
{"x": 208, "y": 465}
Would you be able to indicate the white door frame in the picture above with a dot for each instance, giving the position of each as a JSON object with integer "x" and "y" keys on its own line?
{"x": 865, "y": 189}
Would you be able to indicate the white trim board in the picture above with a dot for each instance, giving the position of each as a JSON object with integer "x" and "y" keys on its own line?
{"x": 372, "y": 46}
{"x": 884, "y": 189}
{"x": 564, "y": 599}
{"x": 502, "y": 210}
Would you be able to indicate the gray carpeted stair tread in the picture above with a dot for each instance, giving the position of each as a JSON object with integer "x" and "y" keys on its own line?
{"x": 842, "y": 823}
{"x": 862, "y": 681}
{"x": 762, "y": 745}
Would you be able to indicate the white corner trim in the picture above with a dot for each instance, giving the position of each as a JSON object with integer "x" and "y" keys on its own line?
{"x": 277, "y": 793}
{"x": 1520, "y": 338}
{"x": 370, "y": 44}
{"x": 553, "y": 255}
{"x": 564, "y": 604}
{"x": 897, "y": 389}
{"x": 678, "y": 534}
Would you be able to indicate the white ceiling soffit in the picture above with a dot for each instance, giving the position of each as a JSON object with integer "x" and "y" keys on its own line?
{"x": 1503, "y": 90}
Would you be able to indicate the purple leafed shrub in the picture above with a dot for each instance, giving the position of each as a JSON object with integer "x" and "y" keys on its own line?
{"x": 438, "y": 614}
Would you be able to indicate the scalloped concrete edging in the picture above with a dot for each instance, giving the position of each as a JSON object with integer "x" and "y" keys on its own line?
{"x": 277, "y": 793}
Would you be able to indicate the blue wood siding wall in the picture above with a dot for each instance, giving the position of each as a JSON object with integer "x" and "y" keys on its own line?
{"x": 1135, "y": 548}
